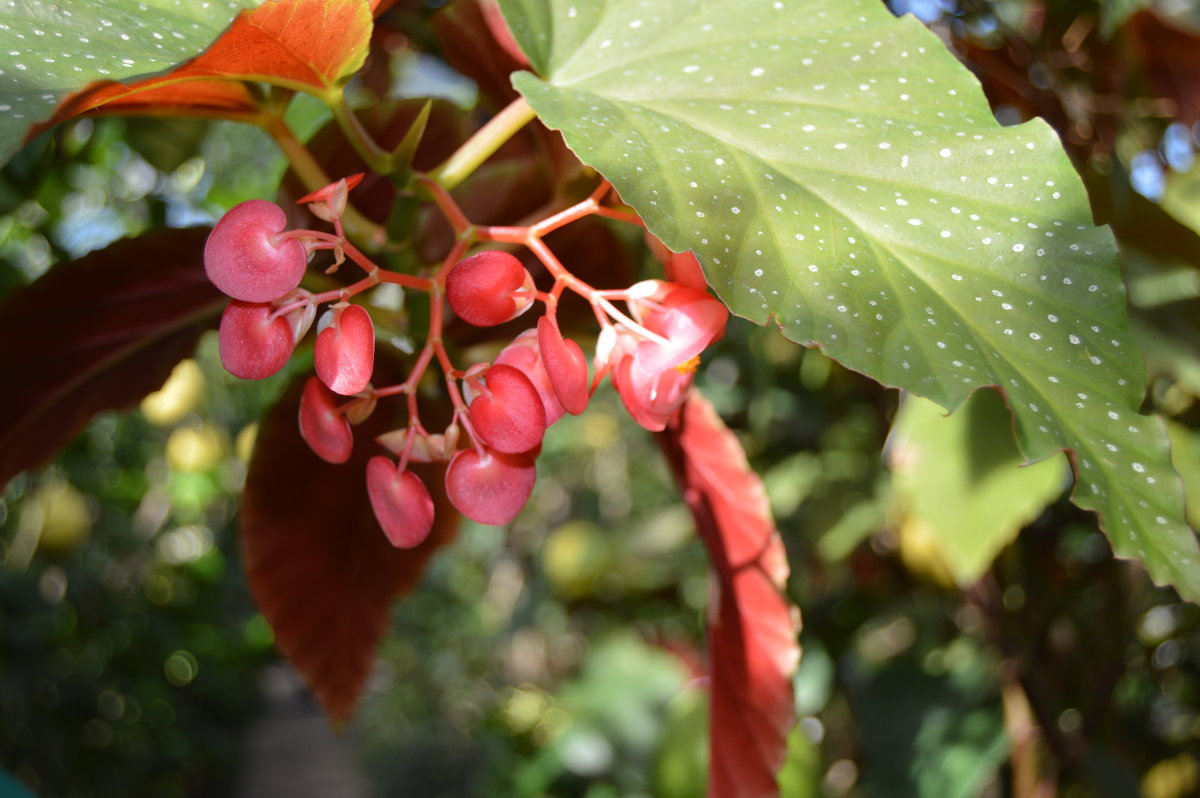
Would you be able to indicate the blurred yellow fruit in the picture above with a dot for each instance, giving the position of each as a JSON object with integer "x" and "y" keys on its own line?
{"x": 59, "y": 514}
{"x": 195, "y": 448}
{"x": 575, "y": 557}
{"x": 179, "y": 395}
{"x": 244, "y": 445}
{"x": 1172, "y": 778}
{"x": 921, "y": 554}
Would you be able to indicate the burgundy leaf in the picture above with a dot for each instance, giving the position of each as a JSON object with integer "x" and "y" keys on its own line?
{"x": 753, "y": 648}
{"x": 97, "y": 334}
{"x": 467, "y": 32}
{"x": 1170, "y": 57}
{"x": 319, "y": 565}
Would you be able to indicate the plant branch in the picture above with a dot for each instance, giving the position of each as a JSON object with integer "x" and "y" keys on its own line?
{"x": 376, "y": 158}
{"x": 313, "y": 176}
{"x": 477, "y": 149}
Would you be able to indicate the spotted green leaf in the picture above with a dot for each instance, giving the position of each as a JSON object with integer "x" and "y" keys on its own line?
{"x": 48, "y": 49}
{"x": 838, "y": 172}
{"x": 959, "y": 482}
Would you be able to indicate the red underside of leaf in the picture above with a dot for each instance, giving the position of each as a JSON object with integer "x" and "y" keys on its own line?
{"x": 296, "y": 43}
{"x": 319, "y": 566}
{"x": 97, "y": 334}
{"x": 753, "y": 648}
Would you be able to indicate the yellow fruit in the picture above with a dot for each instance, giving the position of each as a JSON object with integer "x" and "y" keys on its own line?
{"x": 575, "y": 557}
{"x": 244, "y": 445}
{"x": 179, "y": 395}
{"x": 195, "y": 448}
{"x": 921, "y": 554}
{"x": 61, "y": 512}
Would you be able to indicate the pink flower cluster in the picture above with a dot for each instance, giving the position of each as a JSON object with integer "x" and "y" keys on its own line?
{"x": 504, "y": 407}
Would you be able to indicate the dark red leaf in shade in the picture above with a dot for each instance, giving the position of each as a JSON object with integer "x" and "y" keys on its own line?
{"x": 468, "y": 35}
{"x": 319, "y": 565}
{"x": 1170, "y": 57}
{"x": 753, "y": 648}
{"x": 97, "y": 334}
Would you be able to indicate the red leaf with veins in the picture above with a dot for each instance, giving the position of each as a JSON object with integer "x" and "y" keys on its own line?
{"x": 753, "y": 648}
{"x": 97, "y": 334}
{"x": 319, "y": 565}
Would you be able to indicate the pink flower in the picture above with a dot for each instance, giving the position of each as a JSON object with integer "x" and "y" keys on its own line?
{"x": 653, "y": 375}
{"x": 687, "y": 318}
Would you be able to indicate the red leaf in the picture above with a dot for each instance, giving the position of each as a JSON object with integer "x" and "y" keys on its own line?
{"x": 97, "y": 334}
{"x": 319, "y": 566}
{"x": 310, "y": 45}
{"x": 467, "y": 32}
{"x": 1169, "y": 58}
{"x": 753, "y": 647}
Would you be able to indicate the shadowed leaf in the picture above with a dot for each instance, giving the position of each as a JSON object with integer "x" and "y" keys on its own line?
{"x": 319, "y": 566}
{"x": 753, "y": 648}
{"x": 97, "y": 334}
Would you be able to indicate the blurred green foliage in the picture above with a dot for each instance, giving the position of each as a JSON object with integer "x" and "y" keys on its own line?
{"x": 563, "y": 656}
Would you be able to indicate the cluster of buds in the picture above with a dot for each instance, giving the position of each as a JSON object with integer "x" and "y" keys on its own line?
{"x": 501, "y": 409}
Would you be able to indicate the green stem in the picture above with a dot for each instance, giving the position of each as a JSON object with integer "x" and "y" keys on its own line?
{"x": 313, "y": 176}
{"x": 477, "y": 149}
{"x": 378, "y": 159}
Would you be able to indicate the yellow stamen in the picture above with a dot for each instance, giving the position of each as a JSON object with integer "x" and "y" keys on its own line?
{"x": 689, "y": 366}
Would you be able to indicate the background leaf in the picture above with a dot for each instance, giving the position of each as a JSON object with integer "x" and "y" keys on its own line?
{"x": 48, "y": 50}
{"x": 97, "y": 334}
{"x": 319, "y": 566}
{"x": 959, "y": 482}
{"x": 753, "y": 648}
{"x": 842, "y": 175}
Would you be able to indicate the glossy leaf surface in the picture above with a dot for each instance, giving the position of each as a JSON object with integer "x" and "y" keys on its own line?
{"x": 840, "y": 173}
{"x": 97, "y": 334}
{"x": 753, "y": 630}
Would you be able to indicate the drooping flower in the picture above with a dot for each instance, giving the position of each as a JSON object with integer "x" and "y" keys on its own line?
{"x": 653, "y": 375}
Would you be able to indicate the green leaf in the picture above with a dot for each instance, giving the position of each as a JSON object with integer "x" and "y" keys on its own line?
{"x": 1182, "y": 197}
{"x": 48, "y": 50}
{"x": 839, "y": 172}
{"x": 960, "y": 480}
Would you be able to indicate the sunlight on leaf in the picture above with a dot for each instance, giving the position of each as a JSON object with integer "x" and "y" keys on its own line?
{"x": 307, "y": 45}
{"x": 48, "y": 50}
{"x": 752, "y": 636}
{"x": 960, "y": 479}
{"x": 840, "y": 173}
